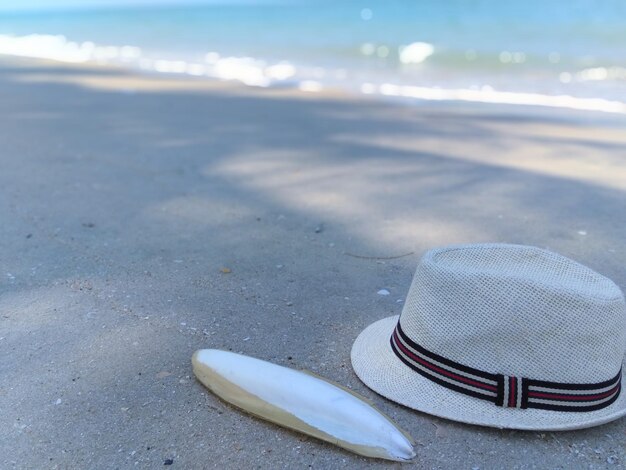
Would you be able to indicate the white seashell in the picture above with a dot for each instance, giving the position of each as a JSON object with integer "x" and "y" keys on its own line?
{"x": 303, "y": 402}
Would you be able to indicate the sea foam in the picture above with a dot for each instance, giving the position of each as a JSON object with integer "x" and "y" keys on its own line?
{"x": 416, "y": 53}
{"x": 260, "y": 73}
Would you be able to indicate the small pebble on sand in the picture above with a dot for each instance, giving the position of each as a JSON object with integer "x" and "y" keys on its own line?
{"x": 383, "y": 292}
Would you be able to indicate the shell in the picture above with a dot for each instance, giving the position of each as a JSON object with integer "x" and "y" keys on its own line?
{"x": 303, "y": 402}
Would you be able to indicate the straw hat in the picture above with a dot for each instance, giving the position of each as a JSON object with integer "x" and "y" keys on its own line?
{"x": 499, "y": 335}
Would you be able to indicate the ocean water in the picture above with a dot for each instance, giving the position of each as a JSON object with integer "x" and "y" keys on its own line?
{"x": 540, "y": 52}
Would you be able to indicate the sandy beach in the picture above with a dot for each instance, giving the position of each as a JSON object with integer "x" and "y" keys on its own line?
{"x": 144, "y": 217}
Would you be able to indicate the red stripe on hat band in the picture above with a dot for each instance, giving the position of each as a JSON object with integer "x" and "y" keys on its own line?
{"x": 554, "y": 396}
{"x": 440, "y": 370}
{"x": 559, "y": 397}
{"x": 512, "y": 392}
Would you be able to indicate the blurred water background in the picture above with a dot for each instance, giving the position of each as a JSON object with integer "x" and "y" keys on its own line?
{"x": 569, "y": 53}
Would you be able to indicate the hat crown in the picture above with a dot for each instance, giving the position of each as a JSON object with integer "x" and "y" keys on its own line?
{"x": 519, "y": 311}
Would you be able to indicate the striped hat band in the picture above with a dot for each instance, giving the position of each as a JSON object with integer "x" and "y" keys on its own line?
{"x": 502, "y": 390}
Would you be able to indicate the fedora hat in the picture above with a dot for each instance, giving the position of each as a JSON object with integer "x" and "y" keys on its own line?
{"x": 499, "y": 335}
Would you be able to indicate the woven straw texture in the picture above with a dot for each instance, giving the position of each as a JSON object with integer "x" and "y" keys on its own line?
{"x": 504, "y": 309}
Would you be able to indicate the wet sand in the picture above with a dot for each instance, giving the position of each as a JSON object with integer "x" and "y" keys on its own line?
{"x": 146, "y": 217}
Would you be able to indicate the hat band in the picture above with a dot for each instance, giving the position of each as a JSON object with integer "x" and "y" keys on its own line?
{"x": 503, "y": 390}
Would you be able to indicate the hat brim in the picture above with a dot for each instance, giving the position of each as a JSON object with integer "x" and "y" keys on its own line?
{"x": 380, "y": 369}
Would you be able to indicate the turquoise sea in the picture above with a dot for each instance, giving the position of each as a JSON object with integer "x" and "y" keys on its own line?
{"x": 476, "y": 50}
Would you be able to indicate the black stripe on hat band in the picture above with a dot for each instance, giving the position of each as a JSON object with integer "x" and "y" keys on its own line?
{"x": 504, "y": 391}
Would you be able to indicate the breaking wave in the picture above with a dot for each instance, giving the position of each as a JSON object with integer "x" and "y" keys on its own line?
{"x": 261, "y": 73}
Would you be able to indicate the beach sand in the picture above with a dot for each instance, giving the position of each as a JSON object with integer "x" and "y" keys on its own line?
{"x": 145, "y": 217}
